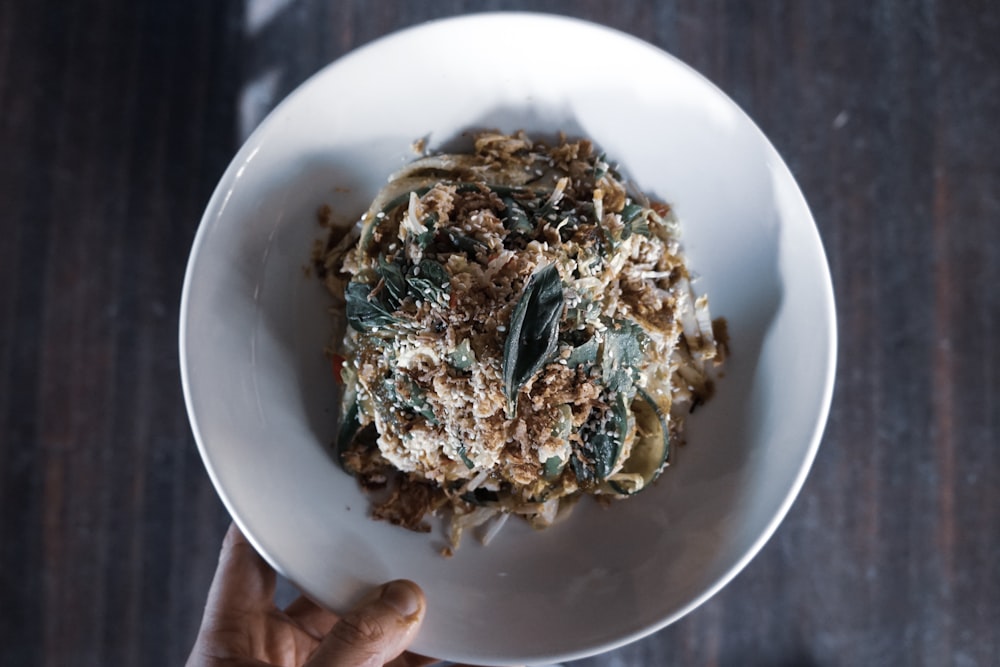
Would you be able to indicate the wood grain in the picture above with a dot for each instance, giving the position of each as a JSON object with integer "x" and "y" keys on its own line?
{"x": 116, "y": 120}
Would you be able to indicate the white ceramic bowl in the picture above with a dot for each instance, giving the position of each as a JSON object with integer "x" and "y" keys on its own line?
{"x": 263, "y": 403}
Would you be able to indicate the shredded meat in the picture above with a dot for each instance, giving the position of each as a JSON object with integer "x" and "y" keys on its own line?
{"x": 408, "y": 503}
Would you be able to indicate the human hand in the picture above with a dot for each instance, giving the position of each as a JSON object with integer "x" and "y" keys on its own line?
{"x": 243, "y": 627}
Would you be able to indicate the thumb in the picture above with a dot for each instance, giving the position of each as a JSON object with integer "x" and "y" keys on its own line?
{"x": 376, "y": 631}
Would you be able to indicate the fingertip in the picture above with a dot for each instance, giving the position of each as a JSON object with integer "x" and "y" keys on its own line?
{"x": 405, "y": 597}
{"x": 236, "y": 547}
{"x": 233, "y": 536}
{"x": 376, "y": 631}
{"x": 243, "y": 578}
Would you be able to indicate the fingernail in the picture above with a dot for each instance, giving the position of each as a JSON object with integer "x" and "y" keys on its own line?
{"x": 401, "y": 596}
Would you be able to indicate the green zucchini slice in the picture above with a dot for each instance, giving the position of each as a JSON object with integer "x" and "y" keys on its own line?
{"x": 649, "y": 452}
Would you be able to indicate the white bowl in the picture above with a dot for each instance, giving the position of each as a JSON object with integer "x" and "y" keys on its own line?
{"x": 262, "y": 401}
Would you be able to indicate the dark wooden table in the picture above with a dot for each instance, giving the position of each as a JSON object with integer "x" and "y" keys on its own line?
{"x": 116, "y": 119}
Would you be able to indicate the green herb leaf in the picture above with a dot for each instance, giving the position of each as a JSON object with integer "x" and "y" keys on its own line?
{"x": 467, "y": 244}
{"x": 605, "y": 452}
{"x": 633, "y": 221}
{"x": 583, "y": 471}
{"x": 533, "y": 332}
{"x": 604, "y": 446}
{"x": 630, "y": 212}
{"x": 515, "y": 218}
{"x": 600, "y": 167}
{"x": 462, "y": 357}
{"x": 463, "y": 454}
{"x": 365, "y": 313}
{"x": 424, "y": 239}
{"x": 430, "y": 281}
{"x": 620, "y": 424}
{"x": 585, "y": 353}
{"x": 415, "y": 400}
{"x": 394, "y": 282}
{"x": 621, "y": 355}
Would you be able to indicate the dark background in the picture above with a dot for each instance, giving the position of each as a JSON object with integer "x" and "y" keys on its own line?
{"x": 117, "y": 117}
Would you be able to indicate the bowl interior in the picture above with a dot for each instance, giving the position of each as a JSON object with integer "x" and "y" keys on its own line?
{"x": 263, "y": 403}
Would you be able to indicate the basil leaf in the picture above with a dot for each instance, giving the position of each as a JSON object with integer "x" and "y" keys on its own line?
{"x": 621, "y": 355}
{"x": 585, "y": 353}
{"x": 533, "y": 332}
{"x": 633, "y": 222}
{"x": 630, "y": 213}
{"x": 605, "y": 452}
{"x": 583, "y": 472}
{"x": 603, "y": 447}
{"x": 394, "y": 282}
{"x": 467, "y": 244}
{"x": 462, "y": 357}
{"x": 514, "y": 217}
{"x": 404, "y": 393}
{"x": 606, "y": 458}
{"x": 424, "y": 239}
{"x": 509, "y": 190}
{"x": 430, "y": 281}
{"x": 363, "y": 313}
{"x": 416, "y": 401}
